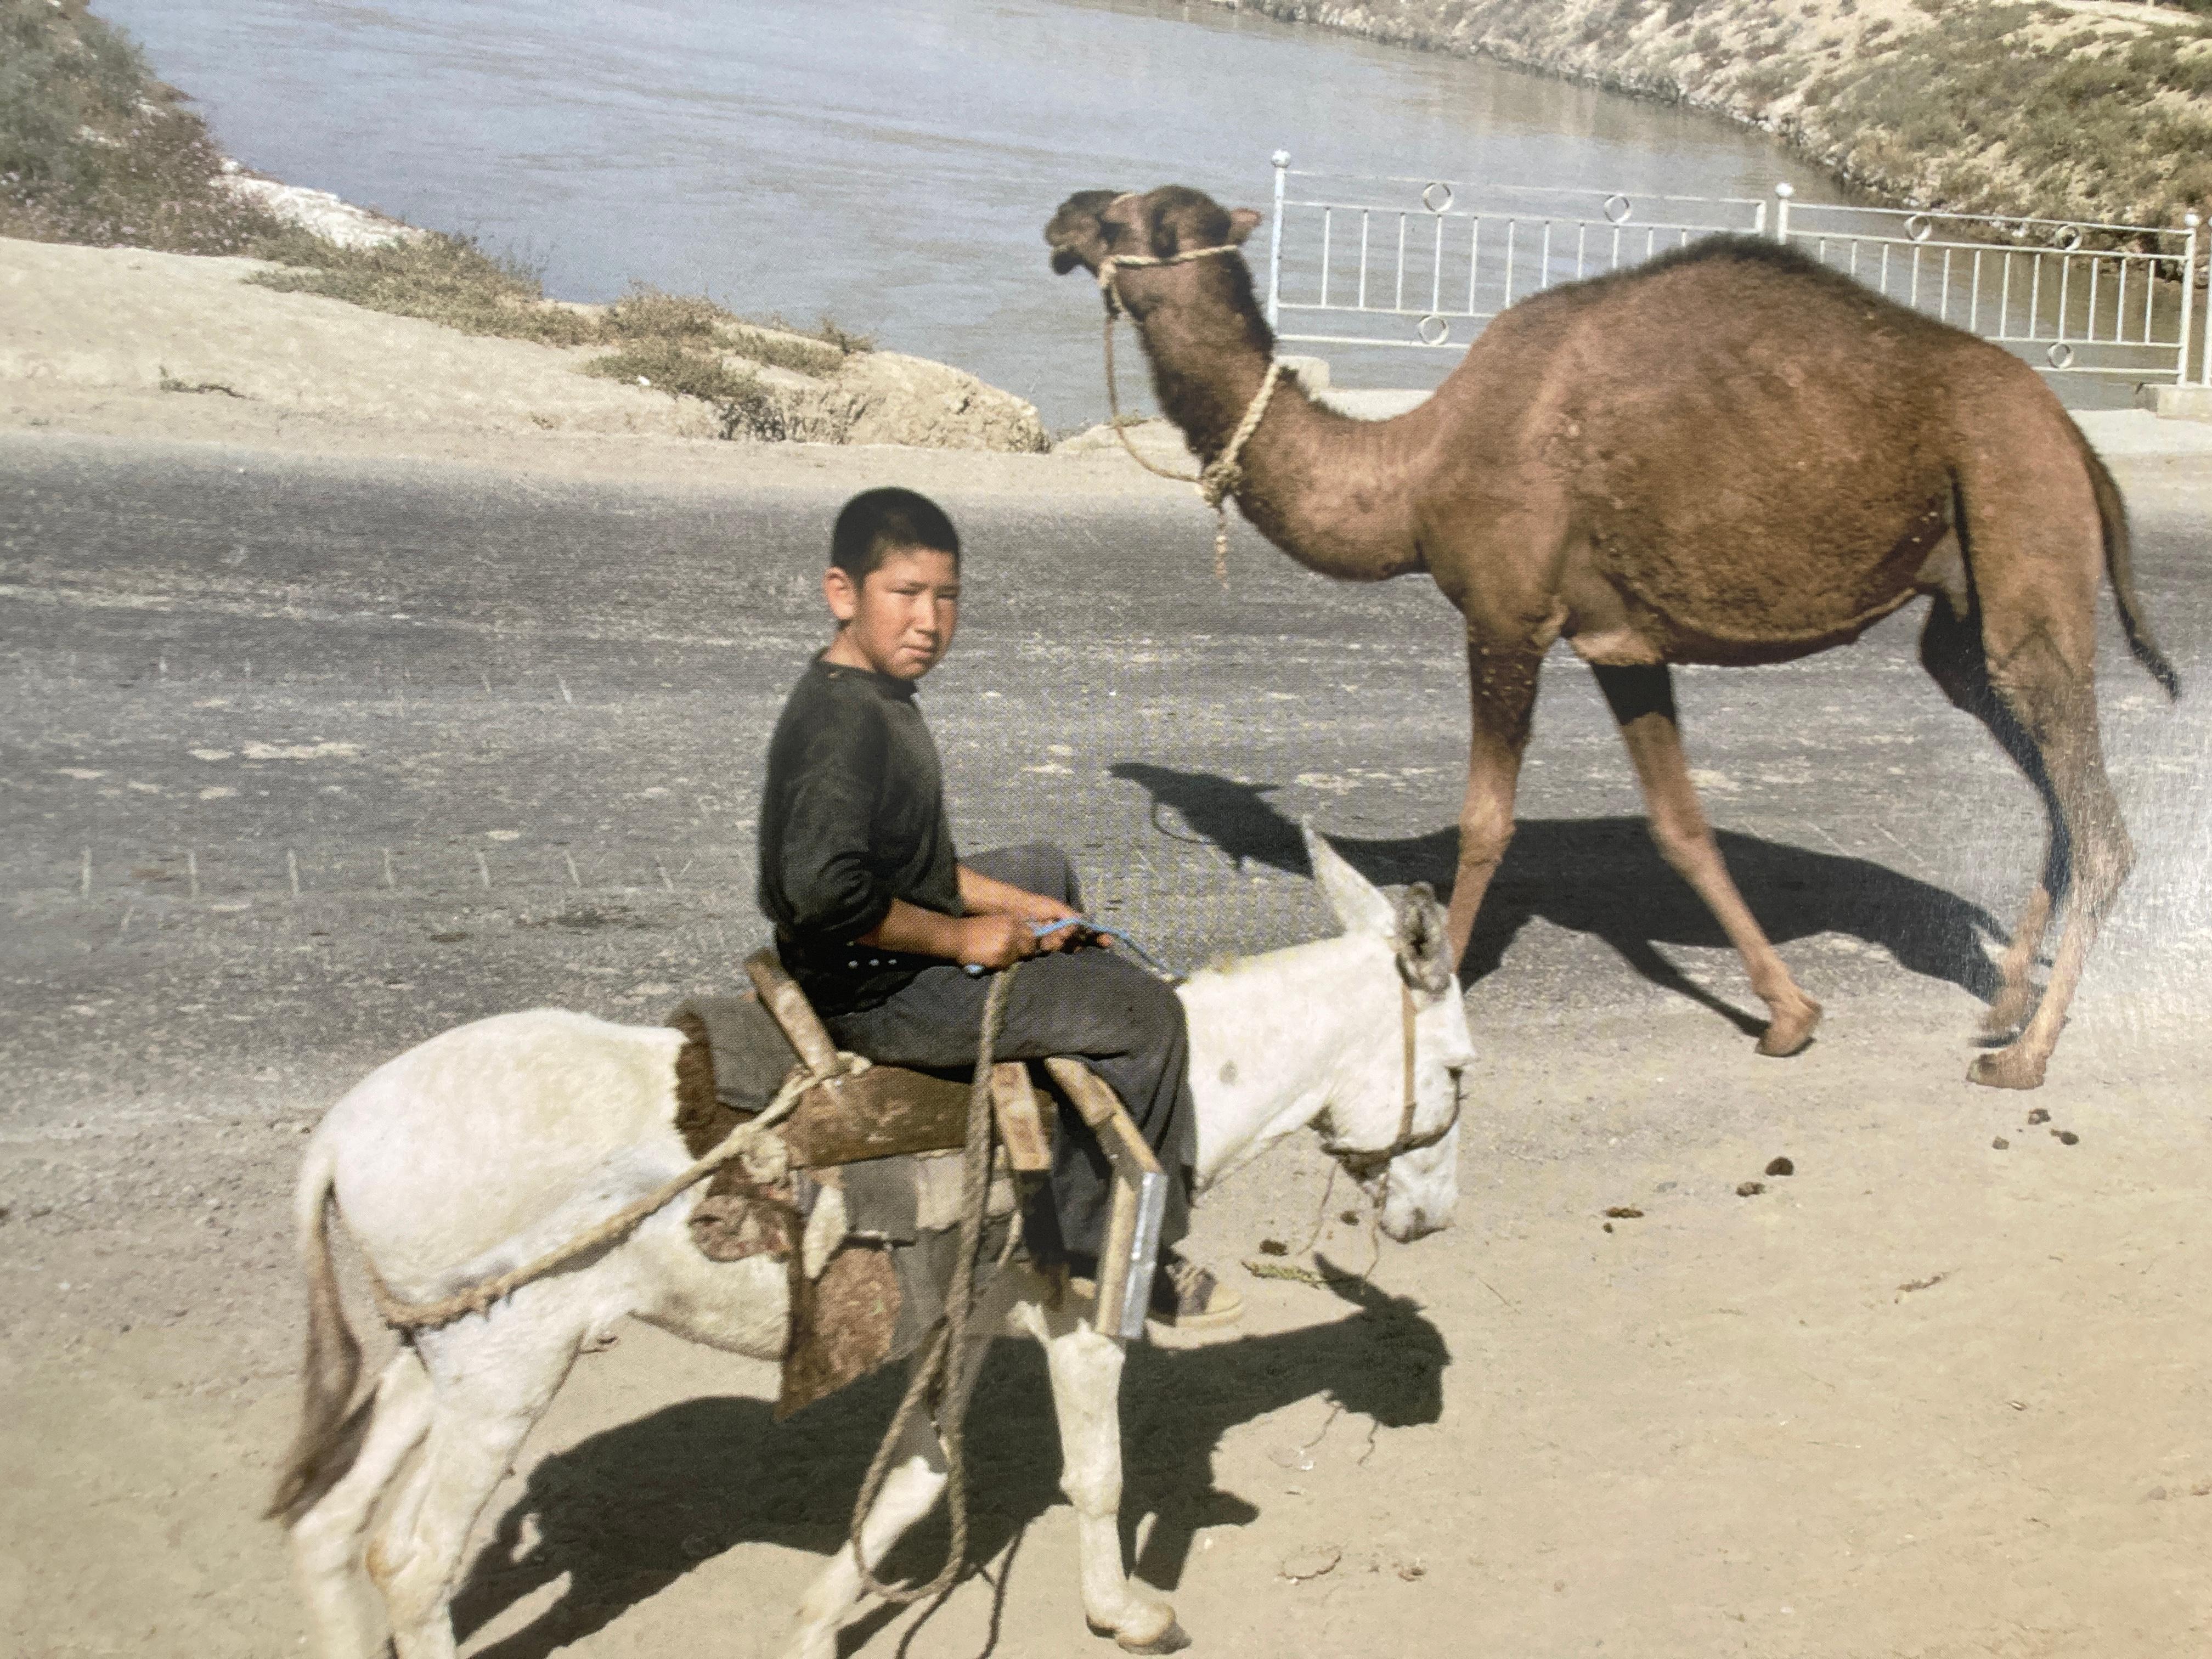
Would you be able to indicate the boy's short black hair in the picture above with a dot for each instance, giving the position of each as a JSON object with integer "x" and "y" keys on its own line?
{"x": 877, "y": 521}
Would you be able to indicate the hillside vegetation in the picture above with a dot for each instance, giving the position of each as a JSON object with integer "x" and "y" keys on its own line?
{"x": 94, "y": 151}
{"x": 2080, "y": 110}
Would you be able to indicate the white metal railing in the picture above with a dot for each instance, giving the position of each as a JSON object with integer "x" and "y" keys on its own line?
{"x": 1423, "y": 264}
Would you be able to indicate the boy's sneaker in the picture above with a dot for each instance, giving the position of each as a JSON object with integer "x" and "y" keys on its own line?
{"x": 1189, "y": 1298}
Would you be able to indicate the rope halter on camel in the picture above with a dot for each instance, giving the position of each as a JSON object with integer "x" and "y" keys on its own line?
{"x": 1223, "y": 475}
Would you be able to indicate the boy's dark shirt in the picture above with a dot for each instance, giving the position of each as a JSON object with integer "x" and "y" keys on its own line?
{"x": 852, "y": 816}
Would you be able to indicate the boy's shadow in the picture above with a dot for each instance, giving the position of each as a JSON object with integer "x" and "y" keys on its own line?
{"x": 629, "y": 1511}
{"x": 1603, "y": 876}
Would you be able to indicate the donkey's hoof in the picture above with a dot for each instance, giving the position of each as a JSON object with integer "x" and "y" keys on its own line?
{"x": 1174, "y": 1639}
{"x": 1791, "y": 1029}
{"x": 1152, "y": 1629}
{"x": 2007, "y": 1068}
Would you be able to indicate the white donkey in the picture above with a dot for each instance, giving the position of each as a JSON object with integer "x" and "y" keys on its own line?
{"x": 485, "y": 1145}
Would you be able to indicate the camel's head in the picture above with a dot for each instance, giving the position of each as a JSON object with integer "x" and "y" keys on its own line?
{"x": 1159, "y": 224}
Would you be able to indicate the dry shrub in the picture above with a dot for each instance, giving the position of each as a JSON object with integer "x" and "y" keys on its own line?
{"x": 93, "y": 149}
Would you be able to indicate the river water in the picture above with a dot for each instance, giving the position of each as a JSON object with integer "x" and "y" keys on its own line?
{"x": 889, "y": 163}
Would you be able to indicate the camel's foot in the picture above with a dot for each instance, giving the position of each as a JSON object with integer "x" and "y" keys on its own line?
{"x": 2007, "y": 1068}
{"x": 2003, "y": 1020}
{"x": 1790, "y": 1029}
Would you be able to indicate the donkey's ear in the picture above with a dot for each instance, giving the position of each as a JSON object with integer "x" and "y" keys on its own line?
{"x": 1243, "y": 222}
{"x": 1424, "y": 943}
{"x": 1359, "y": 903}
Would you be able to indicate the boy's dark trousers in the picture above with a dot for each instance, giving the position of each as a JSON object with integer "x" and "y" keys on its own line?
{"x": 1095, "y": 1003}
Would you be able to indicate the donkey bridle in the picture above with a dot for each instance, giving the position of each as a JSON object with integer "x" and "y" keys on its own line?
{"x": 1365, "y": 1163}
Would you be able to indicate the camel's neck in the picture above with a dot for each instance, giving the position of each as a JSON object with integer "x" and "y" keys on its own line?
{"x": 1271, "y": 1037}
{"x": 1333, "y": 493}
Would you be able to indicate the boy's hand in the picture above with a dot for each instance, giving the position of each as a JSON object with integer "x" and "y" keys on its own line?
{"x": 995, "y": 941}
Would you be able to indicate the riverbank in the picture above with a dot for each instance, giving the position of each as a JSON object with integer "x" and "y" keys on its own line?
{"x": 135, "y": 246}
{"x": 2080, "y": 111}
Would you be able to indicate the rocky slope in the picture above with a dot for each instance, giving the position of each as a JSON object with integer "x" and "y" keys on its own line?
{"x": 2080, "y": 110}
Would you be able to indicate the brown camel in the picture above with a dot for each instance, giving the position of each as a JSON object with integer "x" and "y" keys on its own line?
{"x": 1730, "y": 455}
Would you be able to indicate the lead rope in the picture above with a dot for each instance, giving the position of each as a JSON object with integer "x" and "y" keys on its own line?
{"x": 949, "y": 1356}
{"x": 1223, "y": 475}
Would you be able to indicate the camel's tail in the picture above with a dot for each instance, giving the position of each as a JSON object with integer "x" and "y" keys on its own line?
{"x": 329, "y": 1435}
{"x": 2118, "y": 566}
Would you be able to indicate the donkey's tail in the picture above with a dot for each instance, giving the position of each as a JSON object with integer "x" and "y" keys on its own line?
{"x": 2120, "y": 567}
{"x": 329, "y": 1434}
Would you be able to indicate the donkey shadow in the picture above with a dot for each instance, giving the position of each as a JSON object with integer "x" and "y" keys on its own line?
{"x": 1604, "y": 877}
{"x": 629, "y": 1511}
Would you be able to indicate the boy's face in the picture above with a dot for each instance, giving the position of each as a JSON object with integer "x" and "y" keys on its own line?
{"x": 900, "y": 620}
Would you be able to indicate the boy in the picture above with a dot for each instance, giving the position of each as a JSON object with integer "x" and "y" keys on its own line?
{"x": 878, "y": 919}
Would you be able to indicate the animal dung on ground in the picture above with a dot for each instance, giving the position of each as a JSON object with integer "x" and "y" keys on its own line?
{"x": 1749, "y": 1188}
{"x": 1273, "y": 1247}
{"x": 1625, "y": 1213}
{"x": 2000, "y": 1144}
{"x": 1311, "y": 1563}
{"x": 1911, "y": 1284}
{"x": 1349, "y": 1218}
{"x": 2038, "y": 1116}
{"x": 2067, "y": 1137}
{"x": 447, "y": 938}
{"x": 1781, "y": 1166}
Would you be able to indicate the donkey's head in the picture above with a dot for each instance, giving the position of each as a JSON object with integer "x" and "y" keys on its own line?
{"x": 1392, "y": 1116}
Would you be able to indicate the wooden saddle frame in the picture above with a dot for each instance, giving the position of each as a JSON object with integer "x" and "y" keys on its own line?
{"x": 890, "y": 1109}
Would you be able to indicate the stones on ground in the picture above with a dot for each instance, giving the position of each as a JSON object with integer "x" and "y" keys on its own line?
{"x": 1781, "y": 1166}
{"x": 2038, "y": 1116}
{"x": 2067, "y": 1137}
{"x": 1310, "y": 1562}
{"x": 1749, "y": 1188}
{"x": 2000, "y": 1144}
{"x": 1273, "y": 1247}
{"x": 1349, "y": 1218}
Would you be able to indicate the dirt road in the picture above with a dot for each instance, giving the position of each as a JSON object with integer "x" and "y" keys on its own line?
{"x": 307, "y": 758}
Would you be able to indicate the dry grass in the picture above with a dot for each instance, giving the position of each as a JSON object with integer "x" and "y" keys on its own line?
{"x": 94, "y": 150}
{"x": 1973, "y": 105}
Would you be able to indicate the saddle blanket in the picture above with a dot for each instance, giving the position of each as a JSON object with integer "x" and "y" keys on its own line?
{"x": 870, "y": 1245}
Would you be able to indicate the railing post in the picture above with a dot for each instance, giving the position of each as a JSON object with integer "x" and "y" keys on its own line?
{"x": 1282, "y": 161}
{"x": 1782, "y": 195}
{"x": 2187, "y": 298}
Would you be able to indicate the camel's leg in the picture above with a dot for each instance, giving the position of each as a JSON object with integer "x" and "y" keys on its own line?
{"x": 492, "y": 1380}
{"x": 1951, "y": 650}
{"x": 1642, "y": 699}
{"x": 2055, "y": 704}
{"x": 1087, "y": 1397}
{"x": 326, "y": 1542}
{"x": 1501, "y": 672}
{"x": 909, "y": 1491}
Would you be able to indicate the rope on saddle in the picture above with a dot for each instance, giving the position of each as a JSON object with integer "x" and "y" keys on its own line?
{"x": 949, "y": 1366}
{"x": 747, "y": 1137}
{"x": 1223, "y": 475}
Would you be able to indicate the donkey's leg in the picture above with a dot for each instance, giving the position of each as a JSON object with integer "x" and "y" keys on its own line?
{"x": 1642, "y": 699}
{"x": 909, "y": 1491}
{"x": 1501, "y": 669}
{"x": 326, "y": 1541}
{"x": 2057, "y": 708}
{"x": 492, "y": 1380}
{"x": 1951, "y": 650}
{"x": 1086, "y": 1398}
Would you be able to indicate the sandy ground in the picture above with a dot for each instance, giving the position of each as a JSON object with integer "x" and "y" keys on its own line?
{"x": 325, "y": 738}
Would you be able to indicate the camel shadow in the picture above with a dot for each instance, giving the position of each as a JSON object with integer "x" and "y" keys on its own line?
{"x": 1604, "y": 877}
{"x": 627, "y": 1512}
